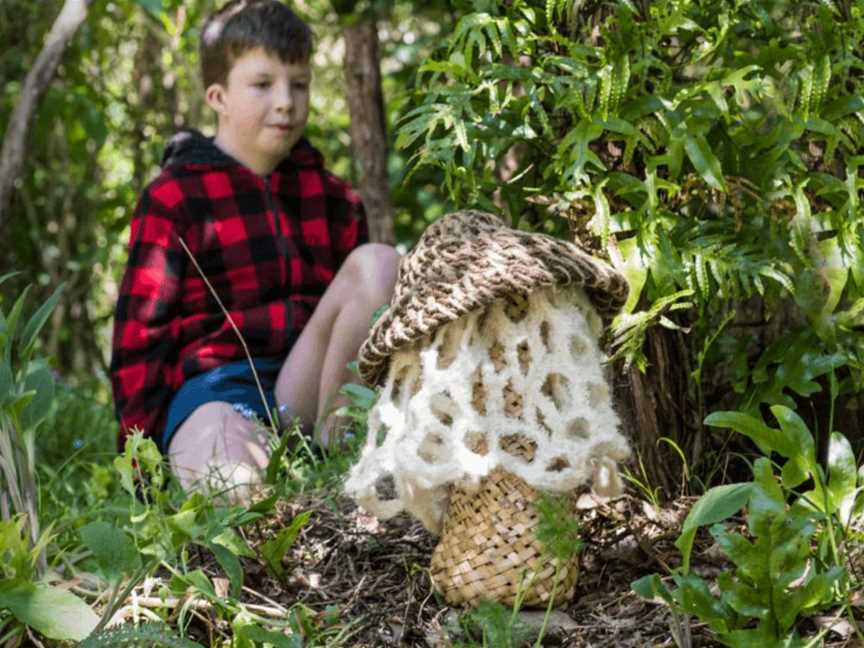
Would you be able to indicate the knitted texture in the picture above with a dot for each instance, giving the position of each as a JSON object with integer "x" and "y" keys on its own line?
{"x": 468, "y": 259}
{"x": 516, "y": 384}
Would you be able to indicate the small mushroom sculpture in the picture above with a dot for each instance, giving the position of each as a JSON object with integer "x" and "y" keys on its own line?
{"x": 493, "y": 392}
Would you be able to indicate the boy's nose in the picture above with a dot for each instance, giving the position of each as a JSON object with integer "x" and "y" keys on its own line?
{"x": 284, "y": 100}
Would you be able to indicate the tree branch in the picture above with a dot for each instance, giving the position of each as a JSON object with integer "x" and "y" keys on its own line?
{"x": 38, "y": 79}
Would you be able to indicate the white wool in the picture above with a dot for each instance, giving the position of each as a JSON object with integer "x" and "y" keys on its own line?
{"x": 527, "y": 374}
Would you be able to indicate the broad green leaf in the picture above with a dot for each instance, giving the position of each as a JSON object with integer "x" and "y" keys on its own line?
{"x": 186, "y": 523}
{"x": 694, "y": 597}
{"x": 634, "y": 270}
{"x": 766, "y": 499}
{"x": 153, "y": 7}
{"x": 6, "y": 380}
{"x": 275, "y": 549}
{"x": 41, "y": 382}
{"x": 796, "y": 435}
{"x": 232, "y": 541}
{"x": 360, "y": 395}
{"x": 256, "y": 635}
{"x": 37, "y": 321}
{"x": 842, "y": 476}
{"x": 749, "y": 562}
{"x": 714, "y": 506}
{"x": 704, "y": 161}
{"x": 766, "y": 439}
{"x": 12, "y": 320}
{"x": 652, "y": 588}
{"x": 55, "y": 613}
{"x": 201, "y": 582}
{"x": 230, "y": 565}
{"x": 816, "y": 591}
{"x": 843, "y": 106}
{"x": 114, "y": 551}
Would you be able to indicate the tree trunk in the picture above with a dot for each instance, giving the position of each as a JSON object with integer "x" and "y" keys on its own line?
{"x": 73, "y": 13}
{"x": 653, "y": 406}
{"x": 368, "y": 125}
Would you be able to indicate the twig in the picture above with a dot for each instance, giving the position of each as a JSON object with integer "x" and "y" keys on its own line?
{"x": 273, "y": 425}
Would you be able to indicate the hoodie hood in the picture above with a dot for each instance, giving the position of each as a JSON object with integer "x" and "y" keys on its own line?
{"x": 191, "y": 147}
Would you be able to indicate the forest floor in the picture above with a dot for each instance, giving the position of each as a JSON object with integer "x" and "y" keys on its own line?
{"x": 368, "y": 580}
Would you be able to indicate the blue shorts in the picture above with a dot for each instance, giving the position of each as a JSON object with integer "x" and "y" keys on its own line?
{"x": 232, "y": 383}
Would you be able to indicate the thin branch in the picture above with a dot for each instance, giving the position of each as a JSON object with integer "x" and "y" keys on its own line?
{"x": 72, "y": 15}
{"x": 272, "y": 421}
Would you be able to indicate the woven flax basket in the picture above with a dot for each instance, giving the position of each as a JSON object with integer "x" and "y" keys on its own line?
{"x": 489, "y": 548}
{"x": 464, "y": 262}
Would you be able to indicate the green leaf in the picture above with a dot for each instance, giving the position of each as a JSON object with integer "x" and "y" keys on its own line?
{"x": 797, "y": 436}
{"x": 114, "y": 551}
{"x": 766, "y": 438}
{"x": 55, "y": 613}
{"x": 200, "y": 581}
{"x": 360, "y": 395}
{"x": 153, "y": 7}
{"x": 766, "y": 499}
{"x": 843, "y": 106}
{"x": 37, "y": 321}
{"x": 714, "y": 506}
{"x": 259, "y": 635}
{"x": 842, "y": 476}
{"x": 704, "y": 161}
{"x": 41, "y": 382}
{"x": 652, "y": 588}
{"x": 12, "y": 320}
{"x": 230, "y": 565}
{"x": 694, "y": 597}
{"x": 275, "y": 549}
{"x": 232, "y": 541}
{"x": 6, "y": 380}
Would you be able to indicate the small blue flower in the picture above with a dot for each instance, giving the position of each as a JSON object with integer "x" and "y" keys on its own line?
{"x": 77, "y": 444}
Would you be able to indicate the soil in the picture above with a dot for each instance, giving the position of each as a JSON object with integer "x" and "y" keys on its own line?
{"x": 369, "y": 578}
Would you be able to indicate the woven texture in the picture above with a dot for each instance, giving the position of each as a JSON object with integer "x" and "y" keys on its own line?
{"x": 469, "y": 259}
{"x": 524, "y": 372}
{"x": 489, "y": 547}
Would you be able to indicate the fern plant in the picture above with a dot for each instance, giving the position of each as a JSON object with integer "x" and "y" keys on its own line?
{"x": 711, "y": 151}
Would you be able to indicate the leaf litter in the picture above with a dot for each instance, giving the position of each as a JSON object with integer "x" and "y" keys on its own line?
{"x": 348, "y": 569}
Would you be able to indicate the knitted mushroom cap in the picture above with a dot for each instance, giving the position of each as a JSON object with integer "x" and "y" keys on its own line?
{"x": 468, "y": 259}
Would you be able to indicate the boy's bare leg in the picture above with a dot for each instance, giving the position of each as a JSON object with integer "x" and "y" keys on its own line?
{"x": 216, "y": 449}
{"x": 316, "y": 366}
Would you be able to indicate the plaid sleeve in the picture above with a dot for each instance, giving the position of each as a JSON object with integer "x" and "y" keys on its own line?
{"x": 347, "y": 218}
{"x": 145, "y": 324}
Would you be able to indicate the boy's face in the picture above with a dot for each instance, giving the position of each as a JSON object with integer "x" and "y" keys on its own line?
{"x": 262, "y": 109}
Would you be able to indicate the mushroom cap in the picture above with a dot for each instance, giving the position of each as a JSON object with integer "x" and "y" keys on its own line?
{"x": 468, "y": 259}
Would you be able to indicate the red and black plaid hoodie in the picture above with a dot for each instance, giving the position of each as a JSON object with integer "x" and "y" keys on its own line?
{"x": 269, "y": 247}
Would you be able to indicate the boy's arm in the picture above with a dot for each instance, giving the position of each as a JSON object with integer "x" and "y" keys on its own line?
{"x": 146, "y": 326}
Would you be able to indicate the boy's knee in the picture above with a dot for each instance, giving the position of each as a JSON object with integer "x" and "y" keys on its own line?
{"x": 374, "y": 266}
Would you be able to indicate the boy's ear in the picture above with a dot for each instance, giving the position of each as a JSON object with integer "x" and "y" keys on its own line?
{"x": 215, "y": 97}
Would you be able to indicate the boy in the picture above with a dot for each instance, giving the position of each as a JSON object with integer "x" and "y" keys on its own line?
{"x": 281, "y": 241}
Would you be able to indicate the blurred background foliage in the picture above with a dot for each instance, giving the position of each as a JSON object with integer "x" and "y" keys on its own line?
{"x": 710, "y": 149}
{"x": 125, "y": 85}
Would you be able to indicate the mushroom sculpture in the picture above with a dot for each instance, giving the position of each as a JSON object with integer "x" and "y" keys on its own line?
{"x": 493, "y": 392}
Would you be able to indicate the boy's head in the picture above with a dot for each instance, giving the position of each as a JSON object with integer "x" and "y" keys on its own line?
{"x": 255, "y": 65}
{"x": 243, "y": 25}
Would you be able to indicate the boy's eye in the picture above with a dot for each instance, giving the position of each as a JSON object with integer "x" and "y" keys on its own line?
{"x": 261, "y": 84}
{"x": 301, "y": 85}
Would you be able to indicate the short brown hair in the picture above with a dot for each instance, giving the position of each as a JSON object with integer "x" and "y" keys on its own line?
{"x": 242, "y": 25}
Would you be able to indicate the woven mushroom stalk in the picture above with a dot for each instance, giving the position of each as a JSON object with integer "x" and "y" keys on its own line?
{"x": 493, "y": 392}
